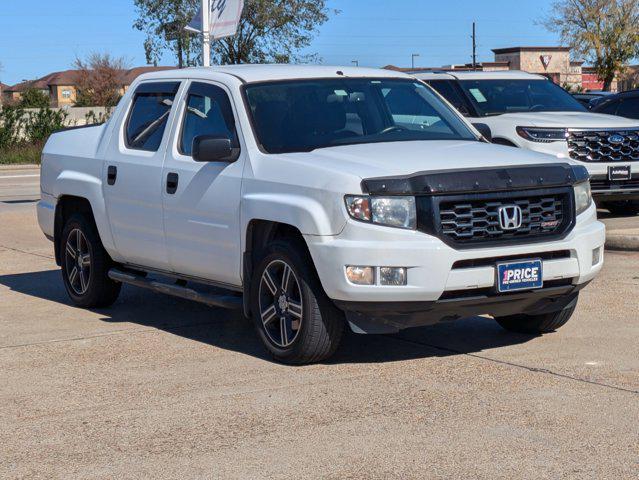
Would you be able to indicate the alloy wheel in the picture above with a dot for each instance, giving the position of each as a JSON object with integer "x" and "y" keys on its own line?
{"x": 77, "y": 257}
{"x": 280, "y": 302}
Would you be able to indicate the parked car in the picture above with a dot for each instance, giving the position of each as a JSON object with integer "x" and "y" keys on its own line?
{"x": 531, "y": 112}
{"x": 313, "y": 198}
{"x": 590, "y": 99}
{"x": 625, "y": 104}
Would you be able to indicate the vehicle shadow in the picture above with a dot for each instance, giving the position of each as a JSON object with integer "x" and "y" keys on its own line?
{"x": 231, "y": 331}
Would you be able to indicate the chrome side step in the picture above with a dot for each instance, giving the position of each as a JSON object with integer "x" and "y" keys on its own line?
{"x": 216, "y": 299}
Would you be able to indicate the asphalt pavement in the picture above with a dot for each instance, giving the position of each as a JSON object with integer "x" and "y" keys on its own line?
{"x": 157, "y": 387}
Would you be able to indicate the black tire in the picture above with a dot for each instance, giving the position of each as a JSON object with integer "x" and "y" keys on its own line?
{"x": 90, "y": 285}
{"x": 311, "y": 323}
{"x": 538, "y": 324}
{"x": 624, "y": 208}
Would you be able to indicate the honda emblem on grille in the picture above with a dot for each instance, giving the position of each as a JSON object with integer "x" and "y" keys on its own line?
{"x": 616, "y": 139}
{"x": 510, "y": 217}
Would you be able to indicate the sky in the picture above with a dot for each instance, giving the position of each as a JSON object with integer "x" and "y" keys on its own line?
{"x": 38, "y": 37}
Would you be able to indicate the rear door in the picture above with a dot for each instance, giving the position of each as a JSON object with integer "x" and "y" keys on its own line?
{"x": 133, "y": 174}
{"x": 202, "y": 199}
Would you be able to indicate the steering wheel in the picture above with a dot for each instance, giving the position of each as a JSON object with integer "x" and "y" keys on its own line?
{"x": 536, "y": 107}
{"x": 393, "y": 128}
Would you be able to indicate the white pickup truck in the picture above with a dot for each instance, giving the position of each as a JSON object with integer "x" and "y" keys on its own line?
{"x": 315, "y": 198}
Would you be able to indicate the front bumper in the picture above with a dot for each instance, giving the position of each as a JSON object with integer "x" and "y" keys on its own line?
{"x": 602, "y": 188}
{"x": 437, "y": 271}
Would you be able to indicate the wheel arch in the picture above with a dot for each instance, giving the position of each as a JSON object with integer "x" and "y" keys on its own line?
{"x": 66, "y": 206}
{"x": 259, "y": 234}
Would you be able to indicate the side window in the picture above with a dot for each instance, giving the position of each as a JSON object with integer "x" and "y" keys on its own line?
{"x": 447, "y": 90}
{"x": 208, "y": 112}
{"x": 629, "y": 107}
{"x": 152, "y": 103}
{"x": 411, "y": 112}
{"x": 610, "y": 108}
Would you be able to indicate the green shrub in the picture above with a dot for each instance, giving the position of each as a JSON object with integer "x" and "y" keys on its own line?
{"x": 33, "y": 98}
{"x": 24, "y": 133}
{"x": 39, "y": 125}
{"x": 11, "y": 120}
{"x": 21, "y": 154}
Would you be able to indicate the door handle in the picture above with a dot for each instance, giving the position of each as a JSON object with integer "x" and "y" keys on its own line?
{"x": 172, "y": 183}
{"x": 112, "y": 174}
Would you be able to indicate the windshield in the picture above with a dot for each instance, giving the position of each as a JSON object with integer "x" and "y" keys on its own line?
{"x": 495, "y": 97}
{"x": 304, "y": 115}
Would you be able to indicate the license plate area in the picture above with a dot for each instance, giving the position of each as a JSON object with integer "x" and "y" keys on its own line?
{"x": 520, "y": 275}
{"x": 620, "y": 173}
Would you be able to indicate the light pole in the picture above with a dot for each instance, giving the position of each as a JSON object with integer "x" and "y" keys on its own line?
{"x": 206, "y": 33}
{"x": 413, "y": 57}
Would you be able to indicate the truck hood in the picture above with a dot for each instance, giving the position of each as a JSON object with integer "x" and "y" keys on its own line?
{"x": 566, "y": 120}
{"x": 404, "y": 158}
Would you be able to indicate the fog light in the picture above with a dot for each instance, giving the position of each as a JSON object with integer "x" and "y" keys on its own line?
{"x": 361, "y": 275}
{"x": 393, "y": 276}
{"x": 596, "y": 256}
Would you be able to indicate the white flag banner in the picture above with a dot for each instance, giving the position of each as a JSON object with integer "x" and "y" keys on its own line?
{"x": 225, "y": 18}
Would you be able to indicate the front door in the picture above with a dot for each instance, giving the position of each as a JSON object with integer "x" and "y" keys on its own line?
{"x": 133, "y": 176}
{"x": 202, "y": 199}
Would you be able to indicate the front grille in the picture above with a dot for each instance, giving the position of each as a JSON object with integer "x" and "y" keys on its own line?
{"x": 604, "y": 145}
{"x": 470, "y": 220}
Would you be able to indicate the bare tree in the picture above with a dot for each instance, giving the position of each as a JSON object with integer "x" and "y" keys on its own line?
{"x": 604, "y": 32}
{"x": 100, "y": 80}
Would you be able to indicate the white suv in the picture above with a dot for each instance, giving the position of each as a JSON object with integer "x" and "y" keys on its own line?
{"x": 529, "y": 111}
{"x": 314, "y": 198}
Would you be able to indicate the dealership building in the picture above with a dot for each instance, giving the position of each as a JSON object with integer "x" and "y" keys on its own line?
{"x": 552, "y": 62}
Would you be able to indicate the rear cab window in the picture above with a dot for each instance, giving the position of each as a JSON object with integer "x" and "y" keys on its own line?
{"x": 149, "y": 114}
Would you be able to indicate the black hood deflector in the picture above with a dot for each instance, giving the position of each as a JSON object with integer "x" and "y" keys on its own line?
{"x": 478, "y": 180}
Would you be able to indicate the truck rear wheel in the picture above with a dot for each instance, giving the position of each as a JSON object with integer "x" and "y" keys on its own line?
{"x": 538, "y": 324}
{"x": 623, "y": 208}
{"x": 86, "y": 264}
{"x": 294, "y": 318}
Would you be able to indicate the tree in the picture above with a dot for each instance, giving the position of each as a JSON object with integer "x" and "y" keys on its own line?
{"x": 164, "y": 23}
{"x": 604, "y": 32}
{"x": 99, "y": 80}
{"x": 273, "y": 31}
{"x": 31, "y": 97}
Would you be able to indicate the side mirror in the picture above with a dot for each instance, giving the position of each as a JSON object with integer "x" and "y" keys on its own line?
{"x": 208, "y": 148}
{"x": 484, "y": 130}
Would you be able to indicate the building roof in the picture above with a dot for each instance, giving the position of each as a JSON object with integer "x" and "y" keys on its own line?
{"x": 133, "y": 73}
{"x": 69, "y": 78}
{"x": 498, "y": 51}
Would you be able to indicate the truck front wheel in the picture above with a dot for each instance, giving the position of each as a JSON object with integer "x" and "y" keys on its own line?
{"x": 85, "y": 265}
{"x": 538, "y": 324}
{"x": 294, "y": 318}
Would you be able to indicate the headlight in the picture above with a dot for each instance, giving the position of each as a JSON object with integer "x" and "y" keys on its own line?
{"x": 543, "y": 135}
{"x": 583, "y": 197}
{"x": 399, "y": 212}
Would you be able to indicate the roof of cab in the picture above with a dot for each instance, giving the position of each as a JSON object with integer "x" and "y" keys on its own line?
{"x": 470, "y": 75}
{"x": 264, "y": 73}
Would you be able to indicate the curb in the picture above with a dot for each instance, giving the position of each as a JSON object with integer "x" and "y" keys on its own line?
{"x": 622, "y": 243}
{"x": 4, "y": 168}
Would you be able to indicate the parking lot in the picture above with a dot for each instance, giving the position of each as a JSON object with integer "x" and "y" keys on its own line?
{"x": 157, "y": 387}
